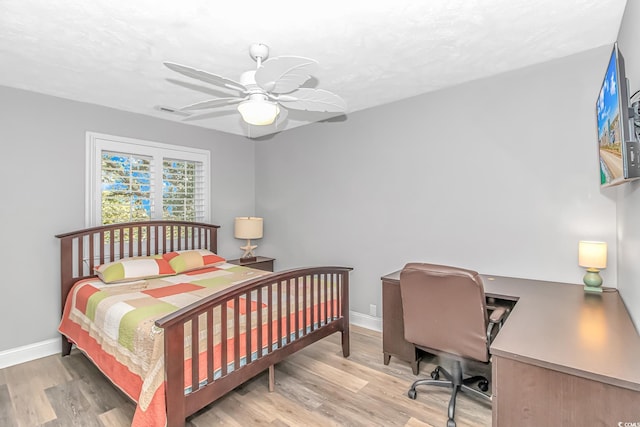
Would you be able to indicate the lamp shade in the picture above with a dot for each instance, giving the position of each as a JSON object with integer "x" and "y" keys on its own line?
{"x": 248, "y": 227}
{"x": 592, "y": 254}
{"x": 258, "y": 112}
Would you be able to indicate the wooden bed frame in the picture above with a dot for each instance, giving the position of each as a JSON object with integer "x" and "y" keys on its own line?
{"x": 82, "y": 250}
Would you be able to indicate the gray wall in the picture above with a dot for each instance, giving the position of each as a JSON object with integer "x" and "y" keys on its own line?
{"x": 43, "y": 176}
{"x": 492, "y": 175}
{"x": 498, "y": 175}
{"x": 629, "y": 194}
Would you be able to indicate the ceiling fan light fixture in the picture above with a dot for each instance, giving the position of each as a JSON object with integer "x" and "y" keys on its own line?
{"x": 260, "y": 93}
{"x": 258, "y": 112}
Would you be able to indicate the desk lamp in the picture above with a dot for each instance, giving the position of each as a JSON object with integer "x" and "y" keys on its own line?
{"x": 592, "y": 255}
{"x": 247, "y": 227}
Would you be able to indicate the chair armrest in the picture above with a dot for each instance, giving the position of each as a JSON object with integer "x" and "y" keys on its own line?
{"x": 496, "y": 318}
{"x": 497, "y": 315}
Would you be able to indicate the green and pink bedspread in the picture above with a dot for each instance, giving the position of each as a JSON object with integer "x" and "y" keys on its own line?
{"x": 114, "y": 325}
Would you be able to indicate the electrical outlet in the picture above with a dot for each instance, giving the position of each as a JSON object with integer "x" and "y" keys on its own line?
{"x": 373, "y": 310}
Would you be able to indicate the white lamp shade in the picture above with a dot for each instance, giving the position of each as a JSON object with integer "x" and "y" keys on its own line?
{"x": 248, "y": 227}
{"x": 258, "y": 112}
{"x": 592, "y": 254}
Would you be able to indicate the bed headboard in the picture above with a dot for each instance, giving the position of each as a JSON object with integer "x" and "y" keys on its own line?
{"x": 82, "y": 250}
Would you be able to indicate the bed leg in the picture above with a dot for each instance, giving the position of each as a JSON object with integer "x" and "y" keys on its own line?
{"x": 272, "y": 378}
{"x": 345, "y": 342}
{"x": 66, "y": 346}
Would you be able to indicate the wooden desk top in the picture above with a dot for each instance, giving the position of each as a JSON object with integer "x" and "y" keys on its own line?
{"x": 558, "y": 326}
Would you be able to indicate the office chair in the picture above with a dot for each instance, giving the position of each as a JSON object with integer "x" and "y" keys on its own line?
{"x": 445, "y": 313}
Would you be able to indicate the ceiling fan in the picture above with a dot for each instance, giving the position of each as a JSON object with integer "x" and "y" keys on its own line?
{"x": 265, "y": 94}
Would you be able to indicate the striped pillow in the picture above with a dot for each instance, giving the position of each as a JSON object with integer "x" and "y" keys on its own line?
{"x": 135, "y": 268}
{"x": 188, "y": 260}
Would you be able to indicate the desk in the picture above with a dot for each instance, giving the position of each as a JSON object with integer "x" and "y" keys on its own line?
{"x": 393, "y": 342}
{"x": 563, "y": 357}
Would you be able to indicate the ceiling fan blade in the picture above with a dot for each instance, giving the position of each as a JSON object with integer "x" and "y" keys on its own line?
{"x": 314, "y": 100}
{"x": 285, "y": 74}
{"x": 213, "y": 103}
{"x": 201, "y": 88}
{"x": 205, "y": 76}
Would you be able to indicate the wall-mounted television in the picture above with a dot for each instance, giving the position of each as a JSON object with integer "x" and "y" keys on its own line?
{"x": 618, "y": 147}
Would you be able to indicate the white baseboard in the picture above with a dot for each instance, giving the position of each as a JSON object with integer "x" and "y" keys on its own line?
{"x": 365, "y": 321}
{"x": 26, "y": 353}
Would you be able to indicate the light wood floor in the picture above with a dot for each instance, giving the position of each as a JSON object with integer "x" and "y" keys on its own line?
{"x": 314, "y": 387}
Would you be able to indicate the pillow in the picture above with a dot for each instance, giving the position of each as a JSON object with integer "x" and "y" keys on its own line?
{"x": 134, "y": 268}
{"x": 188, "y": 260}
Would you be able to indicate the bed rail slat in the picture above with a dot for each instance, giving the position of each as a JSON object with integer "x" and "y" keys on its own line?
{"x": 236, "y": 333}
{"x": 80, "y": 256}
{"x": 279, "y": 321}
{"x": 328, "y": 295}
{"x": 296, "y": 293}
{"x": 247, "y": 328}
{"x": 111, "y": 246}
{"x": 128, "y": 236}
{"x": 92, "y": 246}
{"x": 195, "y": 352}
{"x": 156, "y": 239}
{"x": 288, "y": 311}
{"x": 318, "y": 286}
{"x": 120, "y": 238}
{"x": 210, "y": 344}
{"x": 260, "y": 322}
{"x": 312, "y": 303}
{"x": 327, "y": 301}
{"x": 223, "y": 339}
{"x": 270, "y": 319}
{"x": 170, "y": 238}
{"x": 305, "y": 306}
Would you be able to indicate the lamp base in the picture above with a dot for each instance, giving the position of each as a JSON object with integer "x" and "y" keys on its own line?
{"x": 248, "y": 250}
{"x": 592, "y": 281}
{"x": 593, "y": 289}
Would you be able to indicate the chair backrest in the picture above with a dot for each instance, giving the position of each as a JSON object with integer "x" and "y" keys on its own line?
{"x": 444, "y": 309}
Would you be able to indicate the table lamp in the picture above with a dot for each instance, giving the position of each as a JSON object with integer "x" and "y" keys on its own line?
{"x": 592, "y": 255}
{"x": 248, "y": 227}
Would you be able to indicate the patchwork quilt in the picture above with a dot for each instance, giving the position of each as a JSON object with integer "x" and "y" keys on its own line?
{"x": 114, "y": 325}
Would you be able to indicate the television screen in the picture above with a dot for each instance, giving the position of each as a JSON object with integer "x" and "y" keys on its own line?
{"x": 618, "y": 147}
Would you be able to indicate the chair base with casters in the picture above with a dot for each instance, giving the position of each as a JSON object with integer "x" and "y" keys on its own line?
{"x": 456, "y": 382}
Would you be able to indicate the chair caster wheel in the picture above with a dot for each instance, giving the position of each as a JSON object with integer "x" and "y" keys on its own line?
{"x": 451, "y": 423}
{"x": 435, "y": 374}
{"x": 483, "y": 385}
{"x": 412, "y": 394}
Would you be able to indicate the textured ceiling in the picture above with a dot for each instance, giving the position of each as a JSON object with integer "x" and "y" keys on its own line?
{"x": 110, "y": 52}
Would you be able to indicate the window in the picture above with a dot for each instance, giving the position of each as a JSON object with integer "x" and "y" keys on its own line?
{"x": 136, "y": 180}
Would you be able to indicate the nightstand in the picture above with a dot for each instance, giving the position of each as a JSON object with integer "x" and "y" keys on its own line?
{"x": 260, "y": 263}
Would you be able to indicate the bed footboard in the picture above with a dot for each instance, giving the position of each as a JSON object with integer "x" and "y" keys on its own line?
{"x": 218, "y": 343}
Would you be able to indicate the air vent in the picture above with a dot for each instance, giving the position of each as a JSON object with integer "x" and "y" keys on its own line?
{"x": 170, "y": 110}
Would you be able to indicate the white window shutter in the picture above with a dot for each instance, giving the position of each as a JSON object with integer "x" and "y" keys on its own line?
{"x": 136, "y": 180}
